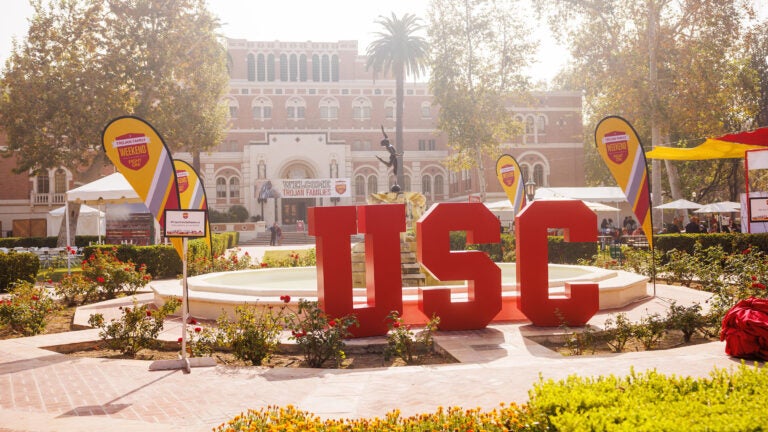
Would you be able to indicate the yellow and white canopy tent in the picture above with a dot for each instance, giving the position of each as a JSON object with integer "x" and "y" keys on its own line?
{"x": 748, "y": 145}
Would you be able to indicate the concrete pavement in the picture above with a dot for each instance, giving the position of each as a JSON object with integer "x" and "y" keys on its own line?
{"x": 41, "y": 390}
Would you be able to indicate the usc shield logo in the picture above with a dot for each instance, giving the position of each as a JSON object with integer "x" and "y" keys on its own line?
{"x": 507, "y": 175}
{"x": 182, "y": 177}
{"x": 340, "y": 187}
{"x": 616, "y": 146}
{"x": 132, "y": 150}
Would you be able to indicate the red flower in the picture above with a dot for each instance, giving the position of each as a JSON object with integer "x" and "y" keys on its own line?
{"x": 758, "y": 285}
{"x": 73, "y": 251}
{"x": 331, "y": 323}
{"x": 192, "y": 321}
{"x": 35, "y": 298}
{"x": 50, "y": 281}
{"x": 754, "y": 278}
{"x": 396, "y": 324}
{"x": 179, "y": 340}
{"x": 263, "y": 264}
{"x": 246, "y": 253}
{"x": 100, "y": 279}
{"x": 149, "y": 313}
{"x": 146, "y": 277}
{"x": 285, "y": 298}
{"x": 198, "y": 329}
{"x": 127, "y": 310}
{"x": 746, "y": 251}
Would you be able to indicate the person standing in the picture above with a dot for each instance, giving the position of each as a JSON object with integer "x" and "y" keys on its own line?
{"x": 273, "y": 234}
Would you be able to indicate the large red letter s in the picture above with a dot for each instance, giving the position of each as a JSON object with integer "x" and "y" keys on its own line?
{"x": 531, "y": 224}
{"x": 483, "y": 275}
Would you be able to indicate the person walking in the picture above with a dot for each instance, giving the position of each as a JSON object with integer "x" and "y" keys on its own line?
{"x": 273, "y": 231}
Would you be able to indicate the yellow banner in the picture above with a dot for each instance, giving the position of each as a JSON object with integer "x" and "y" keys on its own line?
{"x": 140, "y": 154}
{"x": 511, "y": 179}
{"x": 192, "y": 196}
{"x": 619, "y": 146}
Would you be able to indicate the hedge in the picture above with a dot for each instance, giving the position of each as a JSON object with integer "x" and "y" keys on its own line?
{"x": 39, "y": 242}
{"x": 560, "y": 252}
{"x": 162, "y": 261}
{"x": 17, "y": 266}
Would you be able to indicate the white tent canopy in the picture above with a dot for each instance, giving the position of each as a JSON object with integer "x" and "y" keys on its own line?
{"x": 112, "y": 189}
{"x": 594, "y": 194}
{"x": 680, "y": 204}
{"x": 90, "y": 222}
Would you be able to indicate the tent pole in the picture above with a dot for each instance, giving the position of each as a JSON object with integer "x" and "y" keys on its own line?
{"x": 66, "y": 229}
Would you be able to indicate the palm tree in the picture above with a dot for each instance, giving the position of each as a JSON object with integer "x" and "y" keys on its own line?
{"x": 399, "y": 51}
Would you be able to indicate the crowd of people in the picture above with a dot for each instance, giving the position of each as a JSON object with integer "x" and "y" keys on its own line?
{"x": 697, "y": 225}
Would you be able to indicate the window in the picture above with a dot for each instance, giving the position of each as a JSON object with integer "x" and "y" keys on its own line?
{"x": 271, "y": 67}
{"x": 234, "y": 187}
{"x": 359, "y": 185}
{"x": 389, "y": 109}
{"x": 426, "y": 110}
{"x": 407, "y": 182}
{"x": 529, "y": 125}
{"x": 426, "y": 185}
{"x": 43, "y": 183}
{"x": 439, "y": 187}
{"x": 261, "y": 68}
{"x": 283, "y": 67}
{"x": 431, "y": 144}
{"x": 221, "y": 187}
{"x": 326, "y": 68}
{"x": 335, "y": 68}
{"x": 373, "y": 184}
{"x": 541, "y": 122}
{"x": 60, "y": 182}
{"x": 303, "y": 67}
{"x": 251, "y": 63}
{"x": 295, "y": 108}
{"x": 422, "y": 145}
{"x": 262, "y": 108}
{"x": 315, "y": 68}
{"x": 294, "y": 68}
{"x": 232, "y": 108}
{"x": 329, "y": 109}
{"x": 538, "y": 175}
{"x": 361, "y": 109}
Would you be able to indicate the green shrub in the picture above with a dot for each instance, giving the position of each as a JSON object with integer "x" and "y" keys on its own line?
{"x": 136, "y": 329}
{"x": 75, "y": 289}
{"x": 27, "y": 309}
{"x": 319, "y": 336}
{"x": 651, "y": 401}
{"x": 685, "y": 319}
{"x": 254, "y": 335}
{"x": 17, "y": 266}
{"x": 650, "y": 330}
{"x": 112, "y": 275}
{"x": 618, "y": 332}
{"x": 404, "y": 343}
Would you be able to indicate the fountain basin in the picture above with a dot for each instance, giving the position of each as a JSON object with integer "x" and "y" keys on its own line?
{"x": 212, "y": 293}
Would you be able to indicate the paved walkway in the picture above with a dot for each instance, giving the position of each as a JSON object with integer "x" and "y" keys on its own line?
{"x": 41, "y": 390}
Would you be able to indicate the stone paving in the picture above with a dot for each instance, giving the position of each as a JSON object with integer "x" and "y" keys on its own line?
{"x": 41, "y": 390}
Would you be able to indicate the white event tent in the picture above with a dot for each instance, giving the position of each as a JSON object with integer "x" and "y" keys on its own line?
{"x": 91, "y": 221}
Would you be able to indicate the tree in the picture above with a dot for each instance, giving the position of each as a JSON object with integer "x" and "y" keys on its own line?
{"x": 676, "y": 70}
{"x": 479, "y": 51}
{"x": 84, "y": 62}
{"x": 399, "y": 51}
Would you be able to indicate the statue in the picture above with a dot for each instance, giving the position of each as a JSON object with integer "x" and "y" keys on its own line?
{"x": 392, "y": 158}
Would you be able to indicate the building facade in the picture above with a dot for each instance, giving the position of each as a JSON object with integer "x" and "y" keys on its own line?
{"x": 311, "y": 110}
{"x": 304, "y": 110}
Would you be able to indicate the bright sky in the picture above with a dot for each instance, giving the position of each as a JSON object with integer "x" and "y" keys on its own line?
{"x": 287, "y": 20}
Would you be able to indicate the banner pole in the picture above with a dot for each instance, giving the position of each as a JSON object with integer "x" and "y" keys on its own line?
{"x": 184, "y": 312}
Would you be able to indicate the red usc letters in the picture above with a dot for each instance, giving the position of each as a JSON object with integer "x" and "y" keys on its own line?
{"x": 531, "y": 224}
{"x": 382, "y": 225}
{"x": 483, "y": 275}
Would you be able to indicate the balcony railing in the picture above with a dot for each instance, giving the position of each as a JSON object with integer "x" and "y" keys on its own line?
{"x": 47, "y": 198}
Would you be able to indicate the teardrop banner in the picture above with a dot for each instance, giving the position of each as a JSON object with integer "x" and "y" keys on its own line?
{"x": 140, "y": 154}
{"x": 192, "y": 197}
{"x": 621, "y": 150}
{"x": 511, "y": 180}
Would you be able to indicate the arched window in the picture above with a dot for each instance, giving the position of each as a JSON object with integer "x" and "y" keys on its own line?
{"x": 541, "y": 123}
{"x": 335, "y": 68}
{"x": 270, "y": 67}
{"x": 283, "y": 67}
{"x": 529, "y": 126}
{"x": 389, "y": 109}
{"x": 234, "y": 187}
{"x": 221, "y": 187}
{"x": 232, "y": 108}
{"x": 303, "y": 67}
{"x": 262, "y": 108}
{"x": 326, "y": 68}
{"x": 329, "y": 108}
{"x": 295, "y": 108}
{"x": 261, "y": 68}
{"x": 43, "y": 183}
{"x": 359, "y": 185}
{"x": 60, "y": 182}
{"x": 525, "y": 173}
{"x": 294, "y": 68}
{"x": 251, "y": 60}
{"x": 406, "y": 182}
{"x": 361, "y": 109}
{"x": 373, "y": 184}
{"x": 439, "y": 187}
{"x": 315, "y": 67}
{"x": 426, "y": 185}
{"x": 538, "y": 175}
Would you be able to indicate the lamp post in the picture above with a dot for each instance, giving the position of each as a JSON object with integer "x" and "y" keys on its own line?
{"x": 530, "y": 190}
